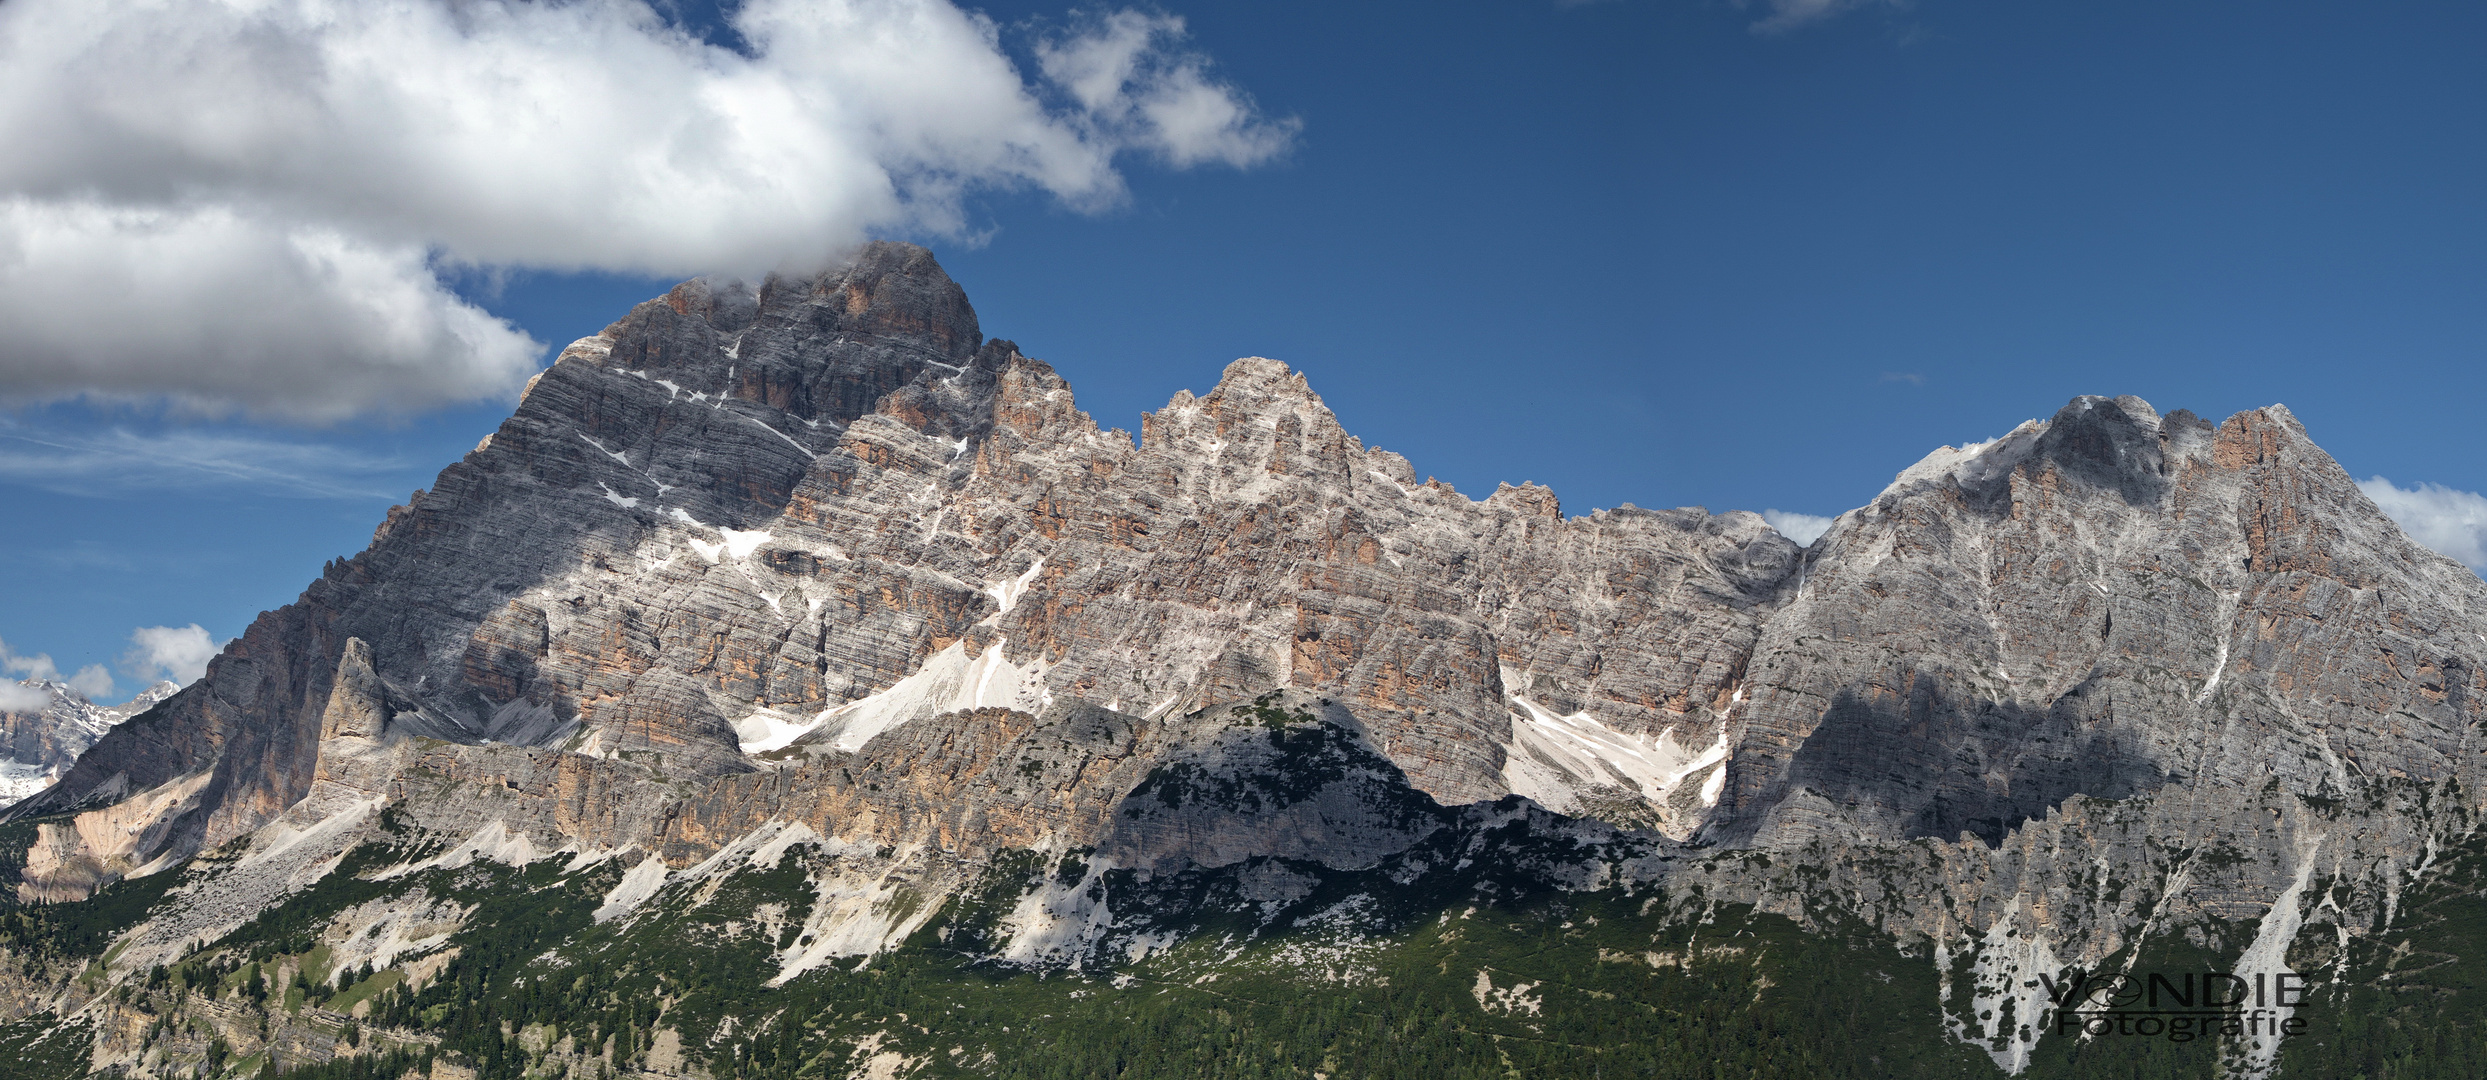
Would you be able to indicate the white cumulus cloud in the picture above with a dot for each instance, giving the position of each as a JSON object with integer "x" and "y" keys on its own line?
{"x": 2448, "y": 520}
{"x": 1127, "y": 71}
{"x": 216, "y": 310}
{"x": 1802, "y": 528}
{"x": 179, "y": 653}
{"x": 91, "y": 680}
{"x": 245, "y": 204}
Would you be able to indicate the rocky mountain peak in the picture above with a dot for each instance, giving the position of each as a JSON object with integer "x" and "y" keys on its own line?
{"x": 1528, "y": 499}
{"x": 742, "y": 522}
{"x": 887, "y": 289}
{"x": 2074, "y": 608}
{"x": 38, "y": 745}
{"x": 1260, "y": 430}
{"x": 2111, "y": 443}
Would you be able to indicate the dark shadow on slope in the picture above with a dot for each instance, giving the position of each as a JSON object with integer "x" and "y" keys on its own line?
{"x": 2119, "y": 445}
{"x": 1938, "y": 764}
{"x": 1276, "y": 818}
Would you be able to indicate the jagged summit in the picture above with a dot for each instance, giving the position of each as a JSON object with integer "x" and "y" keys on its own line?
{"x": 2120, "y": 444}
{"x": 38, "y": 745}
{"x": 2099, "y": 604}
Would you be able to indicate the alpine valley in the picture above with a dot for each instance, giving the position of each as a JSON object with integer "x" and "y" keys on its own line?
{"x": 800, "y": 685}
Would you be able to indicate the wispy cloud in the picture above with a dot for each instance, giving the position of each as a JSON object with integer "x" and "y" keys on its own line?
{"x": 1802, "y": 528}
{"x": 2448, "y": 520}
{"x": 235, "y": 205}
{"x": 121, "y": 462}
{"x": 1910, "y": 377}
{"x": 1786, "y": 15}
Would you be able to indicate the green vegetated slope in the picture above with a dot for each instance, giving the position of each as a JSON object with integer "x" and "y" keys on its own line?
{"x": 42, "y": 1048}
{"x": 1552, "y": 985}
{"x": 1572, "y": 985}
{"x": 1380, "y": 974}
{"x": 2413, "y": 1002}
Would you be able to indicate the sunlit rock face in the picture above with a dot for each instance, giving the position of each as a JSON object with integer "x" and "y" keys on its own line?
{"x": 739, "y": 523}
{"x": 818, "y": 568}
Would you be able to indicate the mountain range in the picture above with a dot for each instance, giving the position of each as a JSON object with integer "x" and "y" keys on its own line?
{"x": 799, "y": 684}
{"x": 38, "y": 745}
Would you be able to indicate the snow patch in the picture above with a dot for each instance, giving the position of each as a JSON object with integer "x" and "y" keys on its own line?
{"x": 1715, "y": 786}
{"x": 20, "y": 780}
{"x": 741, "y": 544}
{"x": 1007, "y": 593}
{"x": 617, "y": 498}
{"x": 949, "y": 681}
{"x": 799, "y": 447}
{"x": 2217, "y": 670}
{"x": 600, "y": 448}
{"x": 1551, "y": 758}
{"x": 768, "y": 729}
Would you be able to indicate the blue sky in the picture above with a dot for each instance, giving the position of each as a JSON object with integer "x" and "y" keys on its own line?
{"x": 1664, "y": 252}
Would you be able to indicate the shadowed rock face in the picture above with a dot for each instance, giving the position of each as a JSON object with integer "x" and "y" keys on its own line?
{"x": 2103, "y": 604}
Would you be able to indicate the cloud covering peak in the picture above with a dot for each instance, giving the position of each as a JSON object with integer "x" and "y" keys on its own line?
{"x": 273, "y": 185}
{"x": 91, "y": 680}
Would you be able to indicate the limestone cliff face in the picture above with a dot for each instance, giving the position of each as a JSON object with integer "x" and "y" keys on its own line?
{"x": 733, "y": 517}
{"x": 2104, "y": 603}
